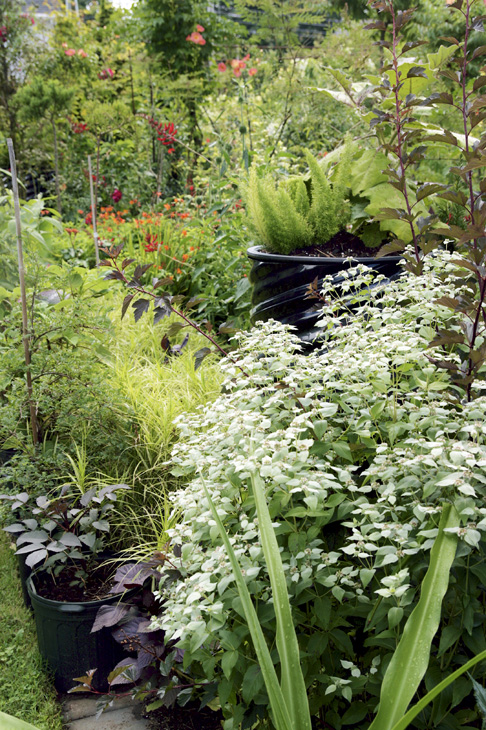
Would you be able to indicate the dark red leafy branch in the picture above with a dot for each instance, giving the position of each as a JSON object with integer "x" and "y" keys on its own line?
{"x": 164, "y": 304}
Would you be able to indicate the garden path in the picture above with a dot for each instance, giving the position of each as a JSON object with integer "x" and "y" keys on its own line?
{"x": 125, "y": 714}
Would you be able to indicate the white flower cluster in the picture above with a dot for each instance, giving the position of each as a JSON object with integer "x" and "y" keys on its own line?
{"x": 359, "y": 443}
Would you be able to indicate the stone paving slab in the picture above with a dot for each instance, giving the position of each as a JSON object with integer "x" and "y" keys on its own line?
{"x": 76, "y": 707}
{"x": 124, "y": 719}
{"x": 124, "y": 714}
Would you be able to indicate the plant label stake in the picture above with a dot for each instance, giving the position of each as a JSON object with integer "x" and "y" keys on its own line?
{"x": 20, "y": 257}
{"x": 93, "y": 213}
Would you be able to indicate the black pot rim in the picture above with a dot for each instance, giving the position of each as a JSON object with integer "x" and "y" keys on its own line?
{"x": 258, "y": 254}
{"x": 111, "y": 597}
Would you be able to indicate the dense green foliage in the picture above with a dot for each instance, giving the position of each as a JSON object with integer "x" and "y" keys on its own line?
{"x": 363, "y": 460}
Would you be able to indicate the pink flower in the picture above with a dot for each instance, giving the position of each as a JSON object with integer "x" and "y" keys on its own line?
{"x": 64, "y": 45}
{"x": 196, "y": 38}
{"x": 252, "y": 71}
{"x": 116, "y": 195}
{"x": 222, "y": 67}
{"x": 200, "y": 28}
{"x": 3, "y": 33}
{"x": 106, "y": 73}
{"x": 247, "y": 57}
{"x": 82, "y": 53}
{"x": 70, "y": 52}
{"x": 237, "y": 72}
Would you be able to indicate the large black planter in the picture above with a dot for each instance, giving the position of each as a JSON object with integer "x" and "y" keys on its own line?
{"x": 280, "y": 284}
{"x": 24, "y": 573}
{"x": 66, "y": 642}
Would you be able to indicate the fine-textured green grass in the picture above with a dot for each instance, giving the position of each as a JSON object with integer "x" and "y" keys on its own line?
{"x": 25, "y": 688}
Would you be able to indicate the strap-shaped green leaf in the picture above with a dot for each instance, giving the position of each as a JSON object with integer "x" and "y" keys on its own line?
{"x": 292, "y": 680}
{"x": 278, "y": 705}
{"x": 411, "y": 658}
{"x": 430, "y": 696}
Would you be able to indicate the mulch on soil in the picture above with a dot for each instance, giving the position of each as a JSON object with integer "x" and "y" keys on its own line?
{"x": 341, "y": 245}
{"x": 97, "y": 585}
{"x": 184, "y": 718}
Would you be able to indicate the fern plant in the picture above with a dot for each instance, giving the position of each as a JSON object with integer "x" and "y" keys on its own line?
{"x": 301, "y": 211}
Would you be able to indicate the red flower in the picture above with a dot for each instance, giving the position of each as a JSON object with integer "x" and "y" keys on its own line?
{"x": 77, "y": 127}
{"x": 3, "y": 33}
{"x": 89, "y": 219}
{"x": 252, "y": 71}
{"x": 222, "y": 67}
{"x": 116, "y": 195}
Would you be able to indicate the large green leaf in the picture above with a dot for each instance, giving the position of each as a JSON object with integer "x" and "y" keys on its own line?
{"x": 7, "y": 722}
{"x": 411, "y": 658}
{"x": 368, "y": 171}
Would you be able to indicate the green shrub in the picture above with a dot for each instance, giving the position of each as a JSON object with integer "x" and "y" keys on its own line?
{"x": 359, "y": 444}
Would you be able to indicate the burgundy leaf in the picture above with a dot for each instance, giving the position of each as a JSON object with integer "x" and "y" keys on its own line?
{"x": 125, "y": 304}
{"x": 109, "y": 616}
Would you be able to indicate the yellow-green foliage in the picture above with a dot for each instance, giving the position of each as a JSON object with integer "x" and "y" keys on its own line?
{"x": 295, "y": 214}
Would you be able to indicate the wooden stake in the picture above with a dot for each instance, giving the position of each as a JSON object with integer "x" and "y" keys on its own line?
{"x": 25, "y": 325}
{"x": 93, "y": 212}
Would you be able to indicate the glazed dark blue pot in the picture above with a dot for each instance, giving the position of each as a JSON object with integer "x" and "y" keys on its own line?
{"x": 280, "y": 284}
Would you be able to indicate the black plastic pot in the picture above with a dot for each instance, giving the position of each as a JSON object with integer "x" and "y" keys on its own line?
{"x": 24, "y": 574}
{"x": 66, "y": 642}
{"x": 6, "y": 455}
{"x": 280, "y": 284}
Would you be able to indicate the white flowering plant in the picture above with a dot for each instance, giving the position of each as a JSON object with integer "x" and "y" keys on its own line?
{"x": 359, "y": 444}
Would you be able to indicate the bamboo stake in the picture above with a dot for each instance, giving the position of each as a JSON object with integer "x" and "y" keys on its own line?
{"x": 25, "y": 327}
{"x": 93, "y": 212}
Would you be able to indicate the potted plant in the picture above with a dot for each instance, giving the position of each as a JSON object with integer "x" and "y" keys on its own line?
{"x": 303, "y": 226}
{"x": 63, "y": 540}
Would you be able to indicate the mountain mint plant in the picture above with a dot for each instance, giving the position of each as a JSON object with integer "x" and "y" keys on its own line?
{"x": 359, "y": 445}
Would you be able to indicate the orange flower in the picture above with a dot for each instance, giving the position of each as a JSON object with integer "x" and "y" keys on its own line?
{"x": 178, "y": 271}
{"x": 185, "y": 256}
{"x": 167, "y": 206}
{"x": 184, "y": 233}
{"x": 81, "y": 212}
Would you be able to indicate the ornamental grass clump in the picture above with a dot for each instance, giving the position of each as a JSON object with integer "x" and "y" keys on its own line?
{"x": 301, "y": 211}
{"x": 361, "y": 446}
